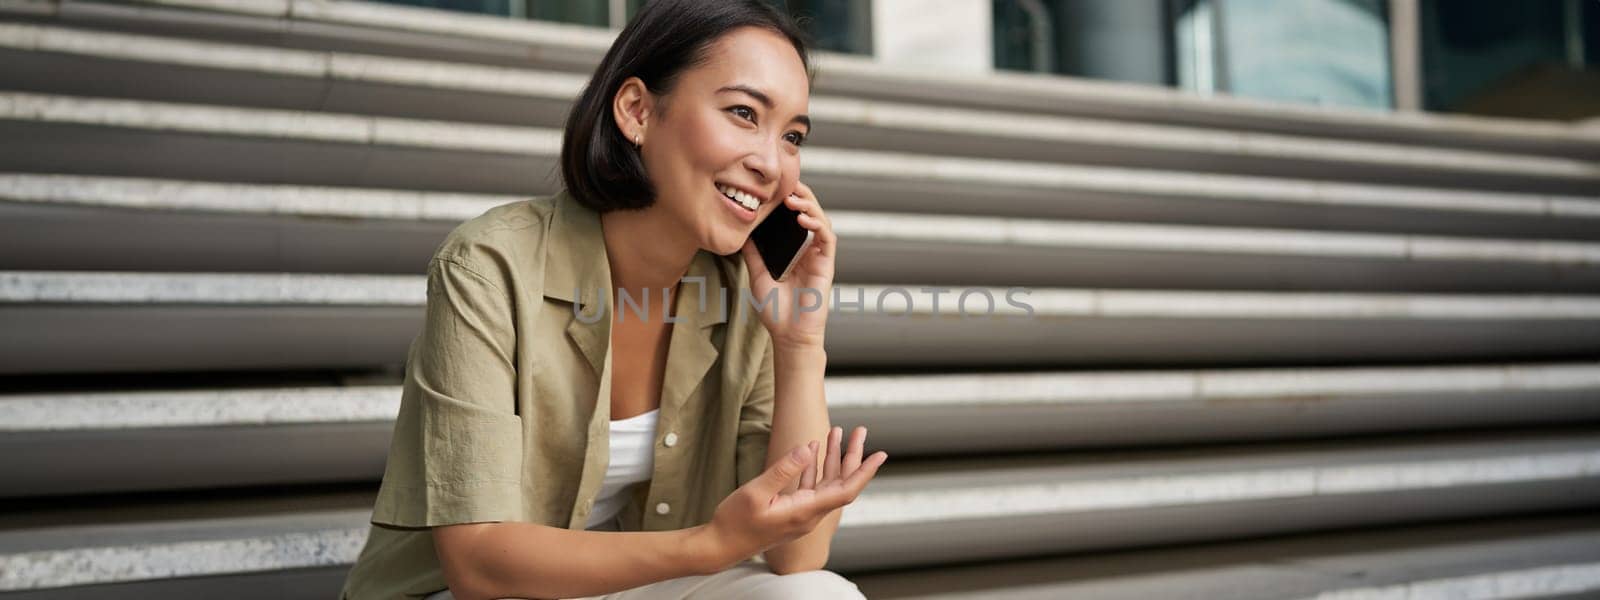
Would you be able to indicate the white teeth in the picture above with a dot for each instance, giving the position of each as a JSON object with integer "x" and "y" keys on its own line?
{"x": 744, "y": 199}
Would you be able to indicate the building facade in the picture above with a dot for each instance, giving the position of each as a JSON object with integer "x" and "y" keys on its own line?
{"x": 1531, "y": 58}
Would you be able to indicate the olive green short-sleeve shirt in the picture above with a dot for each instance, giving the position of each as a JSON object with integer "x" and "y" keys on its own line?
{"x": 505, "y": 409}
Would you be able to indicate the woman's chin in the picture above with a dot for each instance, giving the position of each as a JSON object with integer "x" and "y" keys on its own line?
{"x": 727, "y": 244}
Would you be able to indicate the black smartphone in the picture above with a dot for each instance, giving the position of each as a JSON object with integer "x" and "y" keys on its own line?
{"x": 780, "y": 240}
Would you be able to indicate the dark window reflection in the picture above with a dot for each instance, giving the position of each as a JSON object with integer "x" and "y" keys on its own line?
{"x": 1332, "y": 52}
{"x": 836, "y": 25}
{"x": 1524, "y": 58}
{"x": 595, "y": 13}
{"x": 488, "y": 7}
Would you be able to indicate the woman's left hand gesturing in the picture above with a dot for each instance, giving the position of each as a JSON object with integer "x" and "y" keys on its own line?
{"x": 809, "y": 282}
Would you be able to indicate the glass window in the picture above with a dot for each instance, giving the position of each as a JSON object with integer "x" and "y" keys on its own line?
{"x": 577, "y": 12}
{"x": 1326, "y": 52}
{"x": 596, "y": 13}
{"x": 1310, "y": 51}
{"x": 1497, "y": 57}
{"x": 1023, "y": 36}
{"x": 1124, "y": 40}
{"x": 835, "y": 25}
{"x": 485, "y": 7}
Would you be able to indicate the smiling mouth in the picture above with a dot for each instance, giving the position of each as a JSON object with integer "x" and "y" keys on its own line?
{"x": 741, "y": 198}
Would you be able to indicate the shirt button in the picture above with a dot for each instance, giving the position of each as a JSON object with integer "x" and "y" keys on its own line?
{"x": 662, "y": 508}
{"x": 672, "y": 440}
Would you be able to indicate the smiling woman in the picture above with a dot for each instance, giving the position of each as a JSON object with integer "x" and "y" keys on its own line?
{"x": 530, "y": 442}
{"x": 664, "y": 142}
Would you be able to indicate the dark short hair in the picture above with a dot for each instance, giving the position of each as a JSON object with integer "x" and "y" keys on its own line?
{"x": 599, "y": 165}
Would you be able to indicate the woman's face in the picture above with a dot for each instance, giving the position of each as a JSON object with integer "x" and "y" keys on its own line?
{"x": 737, "y": 120}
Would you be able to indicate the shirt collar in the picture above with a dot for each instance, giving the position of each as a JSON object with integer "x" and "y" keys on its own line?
{"x": 576, "y": 269}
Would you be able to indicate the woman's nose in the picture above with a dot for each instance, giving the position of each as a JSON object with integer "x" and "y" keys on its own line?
{"x": 764, "y": 161}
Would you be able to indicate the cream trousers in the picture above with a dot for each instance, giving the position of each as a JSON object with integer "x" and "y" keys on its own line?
{"x": 749, "y": 580}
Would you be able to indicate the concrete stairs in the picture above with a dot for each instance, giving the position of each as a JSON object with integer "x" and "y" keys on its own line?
{"x": 1274, "y": 351}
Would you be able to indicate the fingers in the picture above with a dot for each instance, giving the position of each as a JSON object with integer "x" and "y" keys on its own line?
{"x": 812, "y": 217}
{"x": 777, "y": 477}
{"x": 830, "y": 460}
{"x": 857, "y": 481}
{"x": 852, "y": 456}
{"x": 844, "y": 476}
{"x": 808, "y": 479}
{"x": 852, "y": 473}
{"x": 852, "y": 485}
{"x": 802, "y": 190}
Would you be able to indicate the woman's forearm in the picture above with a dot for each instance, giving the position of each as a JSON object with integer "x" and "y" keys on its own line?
{"x": 799, "y": 416}
{"x": 529, "y": 560}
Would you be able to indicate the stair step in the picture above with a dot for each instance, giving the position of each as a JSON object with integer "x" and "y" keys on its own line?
{"x": 40, "y": 115}
{"x": 389, "y": 86}
{"x": 119, "y": 441}
{"x": 187, "y": 321}
{"x": 416, "y": 33}
{"x": 101, "y": 136}
{"x": 114, "y": 224}
{"x": 1020, "y": 507}
{"x": 41, "y": 197}
{"x": 1548, "y": 556}
{"x": 999, "y": 507}
{"x": 974, "y": 413}
{"x": 1300, "y": 320}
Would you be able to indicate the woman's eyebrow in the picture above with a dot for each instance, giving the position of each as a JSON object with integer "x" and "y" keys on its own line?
{"x": 764, "y": 99}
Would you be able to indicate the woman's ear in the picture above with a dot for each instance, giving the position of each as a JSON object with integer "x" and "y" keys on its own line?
{"x": 631, "y": 107}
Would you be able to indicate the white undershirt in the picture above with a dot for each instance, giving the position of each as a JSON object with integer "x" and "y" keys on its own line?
{"x": 632, "y": 461}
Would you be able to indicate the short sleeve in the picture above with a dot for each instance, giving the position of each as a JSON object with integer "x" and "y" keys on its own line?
{"x": 456, "y": 452}
{"x": 755, "y": 423}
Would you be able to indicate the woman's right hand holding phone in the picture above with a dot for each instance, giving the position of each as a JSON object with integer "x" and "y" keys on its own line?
{"x": 760, "y": 515}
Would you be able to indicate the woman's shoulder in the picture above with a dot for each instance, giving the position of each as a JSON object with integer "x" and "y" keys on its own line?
{"x": 503, "y": 238}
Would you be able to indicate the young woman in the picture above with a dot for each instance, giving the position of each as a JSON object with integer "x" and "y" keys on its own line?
{"x": 590, "y": 409}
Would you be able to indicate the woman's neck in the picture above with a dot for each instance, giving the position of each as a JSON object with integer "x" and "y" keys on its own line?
{"x": 645, "y": 251}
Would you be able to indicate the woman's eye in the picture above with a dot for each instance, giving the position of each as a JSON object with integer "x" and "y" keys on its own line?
{"x": 744, "y": 112}
{"x": 796, "y": 138}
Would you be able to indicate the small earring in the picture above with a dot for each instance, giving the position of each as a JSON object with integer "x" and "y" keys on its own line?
{"x": 638, "y": 141}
